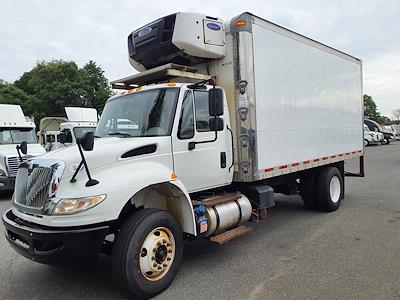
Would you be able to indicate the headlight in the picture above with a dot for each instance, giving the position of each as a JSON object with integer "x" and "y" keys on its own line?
{"x": 2, "y": 173}
{"x": 72, "y": 206}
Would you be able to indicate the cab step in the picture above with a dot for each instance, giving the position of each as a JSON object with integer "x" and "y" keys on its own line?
{"x": 226, "y": 236}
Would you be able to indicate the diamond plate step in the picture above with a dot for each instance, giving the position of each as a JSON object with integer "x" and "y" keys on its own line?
{"x": 231, "y": 234}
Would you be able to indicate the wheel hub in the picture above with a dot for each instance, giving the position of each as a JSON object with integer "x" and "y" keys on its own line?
{"x": 161, "y": 254}
{"x": 335, "y": 189}
{"x": 157, "y": 253}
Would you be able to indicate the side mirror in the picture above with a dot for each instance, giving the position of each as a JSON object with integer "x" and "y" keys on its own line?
{"x": 23, "y": 147}
{"x": 215, "y": 102}
{"x": 62, "y": 138}
{"x": 86, "y": 141}
{"x": 216, "y": 124}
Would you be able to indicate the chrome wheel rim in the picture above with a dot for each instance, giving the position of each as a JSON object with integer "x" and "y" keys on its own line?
{"x": 335, "y": 189}
{"x": 157, "y": 254}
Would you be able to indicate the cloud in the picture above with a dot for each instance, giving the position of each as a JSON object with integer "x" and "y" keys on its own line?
{"x": 95, "y": 29}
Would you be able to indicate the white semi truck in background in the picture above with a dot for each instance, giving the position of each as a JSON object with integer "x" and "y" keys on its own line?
{"x": 204, "y": 151}
{"x": 14, "y": 129}
{"x": 59, "y": 132}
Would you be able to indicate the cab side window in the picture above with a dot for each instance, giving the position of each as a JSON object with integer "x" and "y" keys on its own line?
{"x": 202, "y": 112}
{"x": 186, "y": 121}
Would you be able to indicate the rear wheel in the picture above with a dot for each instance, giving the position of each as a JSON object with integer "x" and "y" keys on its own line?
{"x": 307, "y": 191}
{"x": 329, "y": 189}
{"x": 147, "y": 252}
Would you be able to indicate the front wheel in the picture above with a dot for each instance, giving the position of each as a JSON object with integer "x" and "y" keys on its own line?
{"x": 147, "y": 252}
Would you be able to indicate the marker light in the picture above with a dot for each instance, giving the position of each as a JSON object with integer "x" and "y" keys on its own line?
{"x": 240, "y": 23}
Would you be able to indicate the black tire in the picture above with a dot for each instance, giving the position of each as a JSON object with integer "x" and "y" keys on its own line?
{"x": 366, "y": 143}
{"x": 322, "y": 189}
{"x": 128, "y": 246}
{"x": 306, "y": 189}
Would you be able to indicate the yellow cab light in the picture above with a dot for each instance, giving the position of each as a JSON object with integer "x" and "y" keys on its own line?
{"x": 240, "y": 23}
{"x": 171, "y": 84}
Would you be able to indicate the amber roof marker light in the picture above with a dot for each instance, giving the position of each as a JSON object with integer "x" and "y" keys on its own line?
{"x": 240, "y": 23}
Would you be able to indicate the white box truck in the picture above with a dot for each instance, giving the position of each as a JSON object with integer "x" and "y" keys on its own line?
{"x": 59, "y": 132}
{"x": 222, "y": 115}
{"x": 15, "y": 129}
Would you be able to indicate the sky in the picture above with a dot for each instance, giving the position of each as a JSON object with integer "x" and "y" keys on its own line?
{"x": 83, "y": 30}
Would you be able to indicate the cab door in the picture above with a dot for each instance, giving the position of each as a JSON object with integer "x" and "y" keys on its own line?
{"x": 207, "y": 165}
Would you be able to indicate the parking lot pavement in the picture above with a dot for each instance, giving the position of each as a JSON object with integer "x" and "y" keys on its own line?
{"x": 353, "y": 253}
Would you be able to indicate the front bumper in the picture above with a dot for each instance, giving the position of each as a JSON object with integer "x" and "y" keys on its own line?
{"x": 51, "y": 245}
{"x": 7, "y": 183}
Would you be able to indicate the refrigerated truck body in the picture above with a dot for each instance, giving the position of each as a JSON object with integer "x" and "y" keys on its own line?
{"x": 222, "y": 115}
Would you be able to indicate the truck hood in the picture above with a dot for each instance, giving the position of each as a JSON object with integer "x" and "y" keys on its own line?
{"x": 107, "y": 151}
{"x": 10, "y": 150}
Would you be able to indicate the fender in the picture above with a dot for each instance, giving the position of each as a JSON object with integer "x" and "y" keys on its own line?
{"x": 171, "y": 196}
{"x": 121, "y": 183}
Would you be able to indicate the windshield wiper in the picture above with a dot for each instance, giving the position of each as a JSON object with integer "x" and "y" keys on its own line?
{"x": 121, "y": 133}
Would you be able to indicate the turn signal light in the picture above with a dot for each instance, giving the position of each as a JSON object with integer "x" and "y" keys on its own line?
{"x": 240, "y": 23}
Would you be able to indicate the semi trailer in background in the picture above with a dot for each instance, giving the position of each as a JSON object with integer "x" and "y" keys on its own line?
{"x": 223, "y": 114}
{"x": 14, "y": 129}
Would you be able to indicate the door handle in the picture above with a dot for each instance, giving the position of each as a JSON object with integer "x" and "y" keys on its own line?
{"x": 223, "y": 159}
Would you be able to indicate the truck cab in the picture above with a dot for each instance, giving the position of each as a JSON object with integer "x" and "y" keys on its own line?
{"x": 14, "y": 129}
{"x": 59, "y": 132}
{"x": 388, "y": 136}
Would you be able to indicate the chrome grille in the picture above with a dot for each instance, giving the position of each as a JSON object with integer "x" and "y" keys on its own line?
{"x": 36, "y": 183}
{"x": 12, "y": 165}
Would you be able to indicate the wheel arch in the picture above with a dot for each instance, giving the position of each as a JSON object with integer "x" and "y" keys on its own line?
{"x": 170, "y": 196}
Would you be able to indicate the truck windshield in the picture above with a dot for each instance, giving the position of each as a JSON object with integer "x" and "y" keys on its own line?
{"x": 17, "y": 135}
{"x": 147, "y": 113}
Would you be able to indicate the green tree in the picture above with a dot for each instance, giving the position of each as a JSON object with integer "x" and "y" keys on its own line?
{"x": 370, "y": 109}
{"x": 9, "y": 94}
{"x": 57, "y": 84}
{"x": 96, "y": 90}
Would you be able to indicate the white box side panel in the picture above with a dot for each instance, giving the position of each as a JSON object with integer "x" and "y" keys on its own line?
{"x": 308, "y": 101}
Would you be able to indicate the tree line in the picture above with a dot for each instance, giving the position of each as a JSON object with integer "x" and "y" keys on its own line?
{"x": 50, "y": 86}
{"x": 371, "y": 112}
